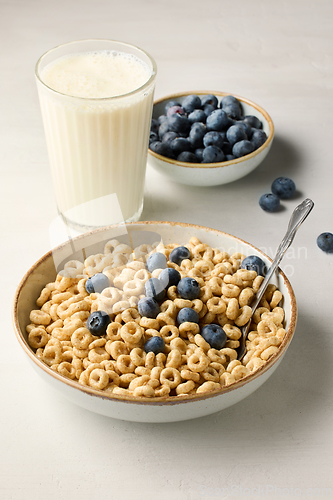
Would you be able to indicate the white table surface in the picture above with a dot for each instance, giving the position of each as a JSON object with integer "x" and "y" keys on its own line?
{"x": 277, "y": 443}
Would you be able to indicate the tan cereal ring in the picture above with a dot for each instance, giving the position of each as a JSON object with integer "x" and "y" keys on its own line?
{"x": 208, "y": 386}
{"x": 40, "y": 318}
{"x": 132, "y": 334}
{"x": 169, "y": 333}
{"x": 171, "y": 377}
{"x": 38, "y": 337}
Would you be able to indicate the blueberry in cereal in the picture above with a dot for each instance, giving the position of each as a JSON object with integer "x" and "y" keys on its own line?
{"x": 97, "y": 283}
{"x": 214, "y": 335}
{"x": 169, "y": 277}
{"x": 155, "y": 345}
{"x": 156, "y": 260}
{"x": 188, "y": 288}
{"x": 254, "y": 263}
{"x": 98, "y": 322}
{"x": 179, "y": 254}
{"x": 186, "y": 314}
{"x": 154, "y": 288}
{"x": 148, "y": 307}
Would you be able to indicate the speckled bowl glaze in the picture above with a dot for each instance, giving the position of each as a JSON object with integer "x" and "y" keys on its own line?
{"x": 169, "y": 409}
{"x": 212, "y": 174}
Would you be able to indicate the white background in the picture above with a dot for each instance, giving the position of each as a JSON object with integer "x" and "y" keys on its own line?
{"x": 277, "y": 443}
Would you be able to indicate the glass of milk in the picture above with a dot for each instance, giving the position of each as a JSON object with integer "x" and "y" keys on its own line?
{"x": 96, "y": 99}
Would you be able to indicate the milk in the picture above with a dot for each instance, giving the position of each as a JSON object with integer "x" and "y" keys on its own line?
{"x": 96, "y": 107}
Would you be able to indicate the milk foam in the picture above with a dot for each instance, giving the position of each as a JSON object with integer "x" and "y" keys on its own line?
{"x": 97, "y": 74}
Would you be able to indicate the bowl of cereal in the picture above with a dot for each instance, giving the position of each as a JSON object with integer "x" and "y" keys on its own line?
{"x": 208, "y": 138}
{"x": 141, "y": 322}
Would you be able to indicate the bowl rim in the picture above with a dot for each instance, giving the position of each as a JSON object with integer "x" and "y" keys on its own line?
{"x": 165, "y": 400}
{"x": 223, "y": 164}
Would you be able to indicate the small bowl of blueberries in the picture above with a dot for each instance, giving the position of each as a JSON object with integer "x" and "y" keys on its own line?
{"x": 208, "y": 138}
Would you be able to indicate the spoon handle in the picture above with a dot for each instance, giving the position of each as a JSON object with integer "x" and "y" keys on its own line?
{"x": 297, "y": 217}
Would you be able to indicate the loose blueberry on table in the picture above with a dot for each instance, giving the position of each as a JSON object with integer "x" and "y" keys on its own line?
{"x": 269, "y": 202}
{"x": 283, "y": 187}
{"x": 188, "y": 130}
{"x": 325, "y": 242}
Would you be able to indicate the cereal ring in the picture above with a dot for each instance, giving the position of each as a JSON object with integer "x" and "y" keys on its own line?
{"x": 246, "y": 297}
{"x": 149, "y": 323}
{"x": 138, "y": 356}
{"x": 125, "y": 364}
{"x": 208, "y": 386}
{"x": 126, "y": 378}
{"x": 205, "y": 293}
{"x": 189, "y": 375}
{"x": 197, "y": 305}
{"x": 113, "y": 331}
{"x": 230, "y": 354}
{"x": 210, "y": 374}
{"x": 162, "y": 391}
{"x": 170, "y": 376}
{"x": 134, "y": 288}
{"x": 138, "y": 382}
{"x": 169, "y": 307}
{"x": 40, "y": 318}
{"x": 98, "y": 354}
{"x": 267, "y": 353}
{"x": 144, "y": 391}
{"x": 150, "y": 360}
{"x": 132, "y": 334}
{"x": 160, "y": 359}
{"x": 116, "y": 348}
{"x": 239, "y": 372}
{"x": 215, "y": 284}
{"x": 165, "y": 319}
{"x": 244, "y": 316}
{"x": 130, "y": 315}
{"x": 216, "y": 305}
{"x": 255, "y": 363}
{"x": 169, "y": 333}
{"x": 43, "y": 297}
{"x": 38, "y": 338}
{"x": 198, "y": 361}
{"x": 67, "y": 370}
{"x": 205, "y": 267}
{"x": 230, "y": 291}
{"x": 185, "y": 388}
{"x": 174, "y": 359}
{"x": 187, "y": 328}
{"x": 63, "y": 282}
{"x": 73, "y": 269}
{"x": 52, "y": 354}
{"x": 81, "y": 338}
{"x": 200, "y": 342}
{"x": 227, "y": 379}
{"x": 232, "y": 308}
{"x": 232, "y": 332}
{"x": 98, "y": 379}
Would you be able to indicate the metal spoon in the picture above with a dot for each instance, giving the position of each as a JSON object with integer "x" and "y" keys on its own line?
{"x": 297, "y": 217}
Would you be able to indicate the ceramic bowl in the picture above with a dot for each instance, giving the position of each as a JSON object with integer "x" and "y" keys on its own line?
{"x": 169, "y": 409}
{"x": 212, "y": 174}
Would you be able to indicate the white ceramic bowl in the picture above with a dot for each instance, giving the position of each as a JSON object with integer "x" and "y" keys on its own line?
{"x": 169, "y": 409}
{"x": 212, "y": 174}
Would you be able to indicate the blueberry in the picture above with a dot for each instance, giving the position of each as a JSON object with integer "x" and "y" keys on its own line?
{"x": 212, "y": 154}
{"x": 179, "y": 145}
{"x": 153, "y": 137}
{"x": 98, "y": 322}
{"x": 217, "y": 120}
{"x": 191, "y": 102}
{"x": 258, "y": 138}
{"x": 178, "y": 123}
{"x": 148, "y": 307}
{"x": 161, "y": 119}
{"x": 156, "y": 260}
{"x": 242, "y": 148}
{"x": 235, "y": 134}
{"x": 170, "y": 104}
{"x": 188, "y": 288}
{"x": 154, "y": 125}
{"x": 168, "y": 137}
{"x": 198, "y": 115}
{"x": 233, "y": 111}
{"x": 97, "y": 283}
{"x": 230, "y": 157}
{"x": 161, "y": 148}
{"x": 154, "y": 288}
{"x": 269, "y": 202}
{"x": 208, "y": 109}
{"x": 163, "y": 129}
{"x": 178, "y": 254}
{"x": 169, "y": 277}
{"x": 254, "y": 263}
{"x": 229, "y": 99}
{"x": 253, "y": 121}
{"x": 186, "y": 314}
{"x": 214, "y": 138}
{"x": 247, "y": 128}
{"x": 325, "y": 242}
{"x": 209, "y": 99}
{"x": 175, "y": 109}
{"x": 198, "y": 153}
{"x": 197, "y": 132}
{"x": 155, "y": 344}
{"x": 187, "y": 157}
{"x": 214, "y": 335}
{"x": 283, "y": 187}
